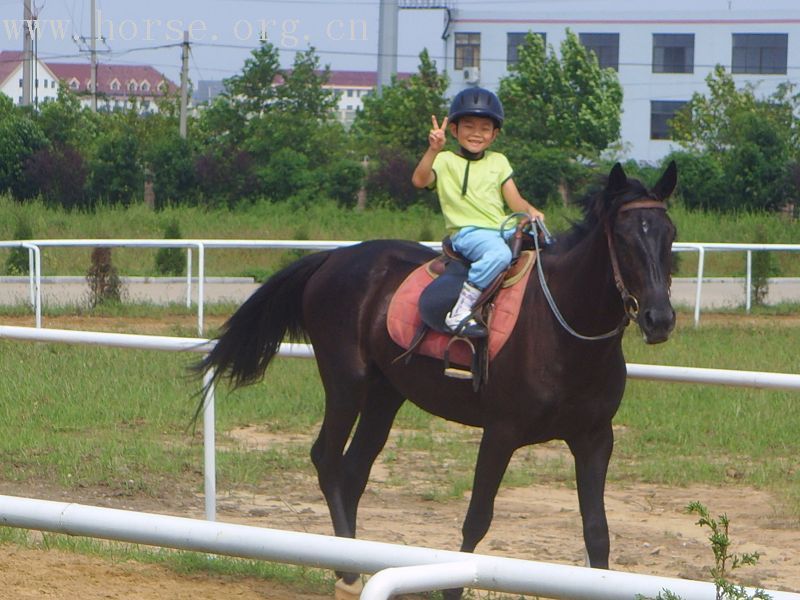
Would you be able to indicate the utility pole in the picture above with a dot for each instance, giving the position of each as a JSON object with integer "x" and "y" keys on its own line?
{"x": 27, "y": 52}
{"x": 93, "y": 53}
{"x": 387, "y": 42}
{"x": 184, "y": 83}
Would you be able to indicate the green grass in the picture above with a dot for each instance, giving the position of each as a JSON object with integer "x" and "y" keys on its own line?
{"x": 682, "y": 433}
{"x": 121, "y": 419}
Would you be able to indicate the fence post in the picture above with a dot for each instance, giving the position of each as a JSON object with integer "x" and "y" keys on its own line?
{"x": 749, "y": 281}
{"x": 189, "y": 277}
{"x": 209, "y": 447}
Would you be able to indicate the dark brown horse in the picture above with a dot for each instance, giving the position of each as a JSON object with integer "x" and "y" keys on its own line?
{"x": 549, "y": 382}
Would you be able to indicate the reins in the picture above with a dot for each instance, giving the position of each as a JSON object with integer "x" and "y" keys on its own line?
{"x": 629, "y": 301}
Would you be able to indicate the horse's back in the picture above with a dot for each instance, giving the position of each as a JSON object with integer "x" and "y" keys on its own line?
{"x": 349, "y": 294}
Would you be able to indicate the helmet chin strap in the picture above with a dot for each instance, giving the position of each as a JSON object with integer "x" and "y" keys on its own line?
{"x": 470, "y": 155}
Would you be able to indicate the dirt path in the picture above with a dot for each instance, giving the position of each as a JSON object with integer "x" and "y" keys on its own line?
{"x": 651, "y": 533}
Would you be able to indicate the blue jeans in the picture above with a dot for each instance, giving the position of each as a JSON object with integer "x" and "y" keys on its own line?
{"x": 486, "y": 249}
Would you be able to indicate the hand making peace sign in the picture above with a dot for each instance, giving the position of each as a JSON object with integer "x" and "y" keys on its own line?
{"x": 438, "y": 135}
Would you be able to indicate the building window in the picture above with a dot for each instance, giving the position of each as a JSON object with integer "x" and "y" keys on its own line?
{"x": 145, "y": 87}
{"x": 132, "y": 86}
{"x": 673, "y": 53}
{"x": 759, "y": 53}
{"x": 661, "y": 112}
{"x": 115, "y": 85}
{"x": 605, "y": 46}
{"x": 513, "y": 43}
{"x": 468, "y": 50}
{"x": 73, "y": 84}
{"x": 20, "y": 83}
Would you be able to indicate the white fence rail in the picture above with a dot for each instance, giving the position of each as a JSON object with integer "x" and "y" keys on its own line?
{"x": 35, "y": 247}
{"x": 401, "y": 569}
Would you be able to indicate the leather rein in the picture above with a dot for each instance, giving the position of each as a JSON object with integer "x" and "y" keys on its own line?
{"x": 629, "y": 301}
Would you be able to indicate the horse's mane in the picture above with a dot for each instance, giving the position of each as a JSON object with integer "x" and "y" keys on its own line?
{"x": 595, "y": 205}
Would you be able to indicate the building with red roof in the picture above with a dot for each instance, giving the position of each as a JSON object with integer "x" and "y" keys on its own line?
{"x": 118, "y": 86}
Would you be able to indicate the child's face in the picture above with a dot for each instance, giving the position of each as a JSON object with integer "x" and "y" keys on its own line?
{"x": 475, "y": 134}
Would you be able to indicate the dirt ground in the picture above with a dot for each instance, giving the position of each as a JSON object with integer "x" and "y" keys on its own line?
{"x": 650, "y": 531}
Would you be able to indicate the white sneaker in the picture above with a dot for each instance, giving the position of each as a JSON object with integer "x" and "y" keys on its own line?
{"x": 458, "y": 319}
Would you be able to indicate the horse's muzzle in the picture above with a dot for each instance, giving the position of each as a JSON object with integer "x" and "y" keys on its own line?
{"x": 657, "y": 323}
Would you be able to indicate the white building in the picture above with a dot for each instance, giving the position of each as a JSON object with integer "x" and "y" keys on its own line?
{"x": 350, "y": 88}
{"x": 661, "y": 51}
{"x": 45, "y": 81}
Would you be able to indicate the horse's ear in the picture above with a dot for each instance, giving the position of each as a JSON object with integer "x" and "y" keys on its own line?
{"x": 666, "y": 184}
{"x": 617, "y": 180}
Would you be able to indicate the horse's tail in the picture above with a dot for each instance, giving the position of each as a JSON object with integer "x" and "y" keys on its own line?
{"x": 253, "y": 334}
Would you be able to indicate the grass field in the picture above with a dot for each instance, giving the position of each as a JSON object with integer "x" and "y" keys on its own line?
{"x": 121, "y": 419}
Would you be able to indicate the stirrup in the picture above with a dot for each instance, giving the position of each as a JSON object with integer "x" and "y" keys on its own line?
{"x": 457, "y": 372}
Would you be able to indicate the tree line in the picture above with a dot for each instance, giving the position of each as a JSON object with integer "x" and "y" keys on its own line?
{"x": 273, "y": 135}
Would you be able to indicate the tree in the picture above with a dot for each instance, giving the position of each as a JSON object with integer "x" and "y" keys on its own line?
{"x": 20, "y": 139}
{"x": 744, "y": 144}
{"x": 400, "y": 118}
{"x": 171, "y": 160}
{"x": 302, "y": 92}
{"x": 253, "y": 91}
{"x": 568, "y": 102}
{"x": 705, "y": 122}
{"x": 65, "y": 122}
{"x": 115, "y": 169}
{"x": 392, "y": 129}
{"x": 58, "y": 173}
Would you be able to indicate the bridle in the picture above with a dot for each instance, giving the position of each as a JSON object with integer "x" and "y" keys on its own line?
{"x": 629, "y": 301}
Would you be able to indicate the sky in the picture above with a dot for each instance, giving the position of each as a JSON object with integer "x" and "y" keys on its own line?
{"x": 222, "y": 32}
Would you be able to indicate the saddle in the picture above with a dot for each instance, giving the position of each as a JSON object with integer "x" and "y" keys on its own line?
{"x": 417, "y": 310}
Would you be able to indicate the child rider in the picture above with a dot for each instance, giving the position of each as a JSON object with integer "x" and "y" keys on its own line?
{"x": 474, "y": 185}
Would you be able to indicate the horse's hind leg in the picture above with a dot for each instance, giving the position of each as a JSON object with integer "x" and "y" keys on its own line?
{"x": 327, "y": 456}
{"x": 343, "y": 477}
{"x": 368, "y": 440}
{"x": 592, "y": 453}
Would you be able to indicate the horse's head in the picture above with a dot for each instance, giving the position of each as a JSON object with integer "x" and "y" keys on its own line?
{"x": 640, "y": 235}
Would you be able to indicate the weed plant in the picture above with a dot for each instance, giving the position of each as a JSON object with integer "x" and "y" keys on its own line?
{"x": 725, "y": 562}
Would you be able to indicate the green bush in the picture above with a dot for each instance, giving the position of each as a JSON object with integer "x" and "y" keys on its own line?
{"x": 764, "y": 266}
{"x": 18, "y": 262}
{"x": 171, "y": 261}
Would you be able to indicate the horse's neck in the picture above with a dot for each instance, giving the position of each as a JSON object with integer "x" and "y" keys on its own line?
{"x": 582, "y": 282}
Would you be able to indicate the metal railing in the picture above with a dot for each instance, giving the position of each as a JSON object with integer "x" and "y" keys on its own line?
{"x": 35, "y": 247}
{"x": 398, "y": 568}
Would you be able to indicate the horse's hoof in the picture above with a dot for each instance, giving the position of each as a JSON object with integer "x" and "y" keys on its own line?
{"x": 348, "y": 591}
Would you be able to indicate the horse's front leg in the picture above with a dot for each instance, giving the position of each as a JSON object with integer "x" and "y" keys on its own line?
{"x": 592, "y": 453}
{"x": 497, "y": 446}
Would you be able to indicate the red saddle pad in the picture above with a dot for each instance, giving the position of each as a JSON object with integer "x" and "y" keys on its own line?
{"x": 404, "y": 320}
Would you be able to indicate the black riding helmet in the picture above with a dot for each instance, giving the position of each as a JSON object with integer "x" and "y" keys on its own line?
{"x": 478, "y": 102}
